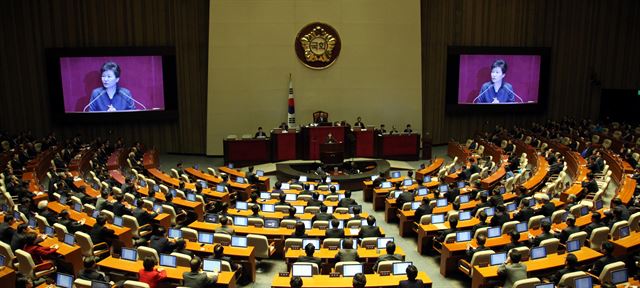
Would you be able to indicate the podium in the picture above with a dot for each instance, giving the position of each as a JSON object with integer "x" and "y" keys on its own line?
{"x": 332, "y": 153}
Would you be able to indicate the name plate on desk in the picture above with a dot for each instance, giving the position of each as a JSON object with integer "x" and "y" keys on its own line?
{"x": 295, "y": 247}
{"x": 283, "y": 274}
{"x": 384, "y": 273}
{"x": 370, "y": 247}
{"x": 333, "y": 247}
{"x": 258, "y": 225}
{"x": 334, "y": 274}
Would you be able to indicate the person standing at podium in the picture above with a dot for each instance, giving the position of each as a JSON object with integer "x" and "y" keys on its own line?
{"x": 284, "y": 126}
{"x": 381, "y": 130}
{"x": 359, "y": 123}
{"x": 330, "y": 139}
{"x": 408, "y": 130}
{"x": 260, "y": 134}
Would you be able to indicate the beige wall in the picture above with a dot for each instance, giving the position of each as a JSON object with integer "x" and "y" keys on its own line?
{"x": 251, "y": 54}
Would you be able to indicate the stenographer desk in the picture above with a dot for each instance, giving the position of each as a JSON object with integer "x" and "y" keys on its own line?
{"x": 326, "y": 281}
{"x": 368, "y": 256}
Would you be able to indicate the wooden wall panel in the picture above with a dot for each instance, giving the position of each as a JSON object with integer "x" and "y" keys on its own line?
{"x": 589, "y": 40}
{"x": 28, "y": 27}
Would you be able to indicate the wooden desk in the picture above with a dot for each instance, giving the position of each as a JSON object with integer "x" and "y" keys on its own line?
{"x": 426, "y": 233}
{"x": 245, "y": 255}
{"x": 367, "y": 188}
{"x": 7, "y": 277}
{"x": 481, "y": 275}
{"x": 70, "y": 254}
{"x": 368, "y": 256}
{"x": 540, "y": 175}
{"x": 373, "y": 280}
{"x": 455, "y": 149}
{"x": 626, "y": 189}
{"x": 234, "y": 173}
{"x": 493, "y": 179}
{"x": 124, "y": 234}
{"x": 379, "y": 194}
{"x": 431, "y": 169}
{"x": 226, "y": 279}
{"x": 627, "y": 245}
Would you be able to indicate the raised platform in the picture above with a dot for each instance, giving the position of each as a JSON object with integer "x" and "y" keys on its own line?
{"x": 350, "y": 176}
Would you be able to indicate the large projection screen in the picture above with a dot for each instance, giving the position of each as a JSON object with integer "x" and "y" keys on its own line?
{"x": 251, "y": 54}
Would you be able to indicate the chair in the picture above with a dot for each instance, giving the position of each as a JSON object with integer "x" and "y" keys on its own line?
{"x": 292, "y": 242}
{"x": 474, "y": 177}
{"x": 27, "y": 267}
{"x": 135, "y": 284}
{"x": 212, "y": 171}
{"x": 481, "y": 231}
{"x": 136, "y": 230}
{"x": 261, "y": 247}
{"x": 582, "y": 236}
{"x": 147, "y": 204}
{"x": 551, "y": 245}
{"x": 288, "y": 222}
{"x": 129, "y": 198}
{"x": 295, "y": 187}
{"x": 282, "y": 208}
{"x": 221, "y": 238}
{"x": 312, "y": 209}
{"x": 320, "y": 224}
{"x": 556, "y": 217}
{"x": 144, "y": 252}
{"x": 425, "y": 219}
{"x": 480, "y": 258}
{"x": 81, "y": 283}
{"x": 318, "y": 114}
{"x": 598, "y": 236}
{"x": 172, "y": 213}
{"x": 42, "y": 222}
{"x": 575, "y": 210}
{"x": 87, "y": 247}
{"x": 354, "y": 224}
{"x": 314, "y": 267}
{"x": 340, "y": 265}
{"x": 256, "y": 222}
{"x": 616, "y": 227}
{"x": 534, "y": 222}
{"x": 369, "y": 241}
{"x": 185, "y": 178}
{"x": 305, "y": 198}
{"x": 507, "y": 227}
{"x": 331, "y": 242}
{"x": 526, "y": 283}
{"x": 341, "y": 210}
{"x": 524, "y": 251}
{"x": 634, "y": 222}
{"x": 189, "y": 234}
{"x": 183, "y": 260}
{"x": 568, "y": 279}
{"x": 88, "y": 209}
{"x": 386, "y": 266}
{"x": 10, "y": 258}
{"x": 174, "y": 173}
{"x": 60, "y": 231}
{"x": 605, "y": 275}
{"x": 331, "y": 198}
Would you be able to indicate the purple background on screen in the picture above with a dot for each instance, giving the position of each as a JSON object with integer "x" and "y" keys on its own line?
{"x": 523, "y": 73}
{"x": 142, "y": 75}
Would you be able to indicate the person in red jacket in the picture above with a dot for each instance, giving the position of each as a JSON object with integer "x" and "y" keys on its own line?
{"x": 38, "y": 253}
{"x": 150, "y": 275}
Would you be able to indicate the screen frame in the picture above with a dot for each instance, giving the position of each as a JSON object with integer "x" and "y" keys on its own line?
{"x": 453, "y": 76}
{"x": 170, "y": 85}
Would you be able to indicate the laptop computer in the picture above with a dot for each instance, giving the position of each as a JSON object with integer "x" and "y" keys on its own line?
{"x": 307, "y": 224}
{"x": 69, "y": 239}
{"x": 538, "y": 252}
{"x": 64, "y": 280}
{"x": 573, "y": 245}
{"x": 175, "y": 233}
{"x": 265, "y": 195}
{"x": 314, "y": 242}
{"x": 117, "y": 220}
{"x": 168, "y": 260}
{"x": 212, "y": 265}
{"x": 301, "y": 270}
{"x": 437, "y": 218}
{"x": 464, "y": 199}
{"x": 268, "y": 208}
{"x": 299, "y": 209}
{"x": 442, "y": 202}
{"x": 191, "y": 197}
{"x": 239, "y": 180}
{"x": 422, "y": 191}
{"x": 583, "y": 282}
{"x": 302, "y": 179}
{"x": 350, "y": 270}
{"x": 415, "y": 205}
{"x": 271, "y": 223}
{"x": 129, "y": 254}
{"x": 240, "y": 221}
{"x": 32, "y": 223}
{"x": 490, "y": 211}
{"x": 624, "y": 232}
{"x": 395, "y": 174}
{"x": 259, "y": 173}
{"x": 400, "y": 268}
{"x": 463, "y": 236}
{"x": 211, "y": 218}
{"x": 219, "y": 188}
{"x": 619, "y": 276}
{"x": 77, "y": 207}
{"x": 426, "y": 179}
{"x": 461, "y": 184}
{"x": 462, "y": 216}
{"x": 498, "y": 258}
{"x": 205, "y": 237}
{"x": 3, "y": 260}
{"x": 407, "y": 182}
{"x": 241, "y": 205}
{"x": 386, "y": 184}
{"x": 511, "y": 207}
{"x": 285, "y": 186}
{"x": 493, "y": 232}
{"x": 522, "y": 227}
{"x": 49, "y": 231}
{"x": 290, "y": 197}
{"x": 382, "y": 242}
{"x": 444, "y": 188}
{"x": 239, "y": 241}
{"x": 545, "y": 285}
{"x": 396, "y": 194}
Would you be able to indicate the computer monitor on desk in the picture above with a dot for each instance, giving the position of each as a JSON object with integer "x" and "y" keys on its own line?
{"x": 583, "y": 282}
{"x": 400, "y": 268}
{"x": 463, "y": 236}
{"x": 350, "y": 270}
{"x": 498, "y": 258}
{"x": 538, "y": 252}
{"x": 302, "y": 270}
{"x": 619, "y": 276}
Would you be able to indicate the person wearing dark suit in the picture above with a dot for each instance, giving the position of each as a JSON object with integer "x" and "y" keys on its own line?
{"x": 306, "y": 190}
{"x": 218, "y": 253}
{"x": 334, "y": 231}
{"x": 391, "y": 250}
{"x": 378, "y": 181}
{"x": 608, "y": 258}
{"x": 224, "y": 226}
{"x": 72, "y": 226}
{"x": 369, "y": 230}
{"x": 90, "y": 271}
{"x": 260, "y": 133}
{"x": 482, "y": 216}
{"x": 161, "y": 243}
{"x": 597, "y": 163}
{"x": 359, "y": 123}
{"x": 512, "y": 270}
{"x": 546, "y": 233}
{"x": 142, "y": 215}
{"x": 323, "y": 215}
{"x": 483, "y": 202}
{"x": 596, "y": 222}
{"x": 292, "y": 214}
{"x": 6, "y": 232}
{"x": 500, "y": 217}
{"x": 571, "y": 265}
{"x": 346, "y": 252}
{"x": 119, "y": 208}
{"x": 525, "y": 212}
{"x": 567, "y": 231}
{"x": 299, "y": 231}
{"x": 347, "y": 201}
{"x": 547, "y": 208}
{"x": 480, "y": 240}
{"x": 197, "y": 279}
{"x": 404, "y": 197}
{"x": 453, "y": 224}
{"x": 181, "y": 247}
{"x": 19, "y": 239}
{"x": 99, "y": 233}
{"x": 424, "y": 209}
{"x": 510, "y": 148}
{"x": 309, "y": 258}
{"x": 411, "y": 282}
{"x": 590, "y": 185}
{"x": 515, "y": 241}
{"x": 624, "y": 210}
{"x": 314, "y": 200}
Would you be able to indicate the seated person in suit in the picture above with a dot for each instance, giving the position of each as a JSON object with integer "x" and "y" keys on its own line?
{"x": 119, "y": 207}
{"x": 482, "y": 216}
{"x": 299, "y": 231}
{"x": 369, "y": 230}
{"x": 99, "y": 233}
{"x": 218, "y": 253}
{"x": 6, "y": 230}
{"x": 359, "y": 280}
{"x": 453, "y": 224}
{"x": 72, "y": 226}
{"x": 255, "y": 211}
{"x": 408, "y": 129}
{"x": 142, "y": 215}
{"x": 500, "y": 217}
{"x": 292, "y": 214}
{"x": 546, "y": 233}
{"x": 570, "y": 229}
{"x": 161, "y": 243}
{"x": 277, "y": 188}
{"x": 309, "y": 258}
{"x": 330, "y": 139}
{"x": 378, "y": 181}
{"x": 306, "y": 190}
{"x": 381, "y": 130}
{"x": 525, "y": 212}
{"x": 404, "y": 197}
{"x": 590, "y": 185}
{"x": 424, "y": 209}
{"x": 181, "y": 247}
{"x": 608, "y": 258}
{"x": 334, "y": 231}
{"x": 284, "y": 126}
{"x": 547, "y": 208}
{"x": 570, "y": 265}
{"x": 90, "y": 271}
{"x": 314, "y": 200}
{"x": 596, "y": 222}
{"x": 515, "y": 241}
{"x": 282, "y": 200}
{"x": 480, "y": 240}
{"x": 391, "y": 250}
{"x": 411, "y": 282}
{"x": 197, "y": 279}
{"x": 346, "y": 252}
{"x": 356, "y": 214}
{"x": 347, "y": 201}
{"x": 512, "y": 270}
{"x": 224, "y": 228}
{"x": 260, "y": 134}
{"x": 359, "y": 123}
{"x": 296, "y": 282}
{"x": 323, "y": 215}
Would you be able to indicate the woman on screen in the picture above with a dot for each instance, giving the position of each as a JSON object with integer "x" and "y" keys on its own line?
{"x": 497, "y": 90}
{"x": 110, "y": 97}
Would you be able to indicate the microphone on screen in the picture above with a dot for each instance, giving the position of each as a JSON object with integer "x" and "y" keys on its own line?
{"x": 485, "y": 90}
{"x": 135, "y": 101}
{"x": 514, "y": 94}
{"x": 94, "y": 100}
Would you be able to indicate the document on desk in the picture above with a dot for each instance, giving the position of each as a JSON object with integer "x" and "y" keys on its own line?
{"x": 354, "y": 231}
